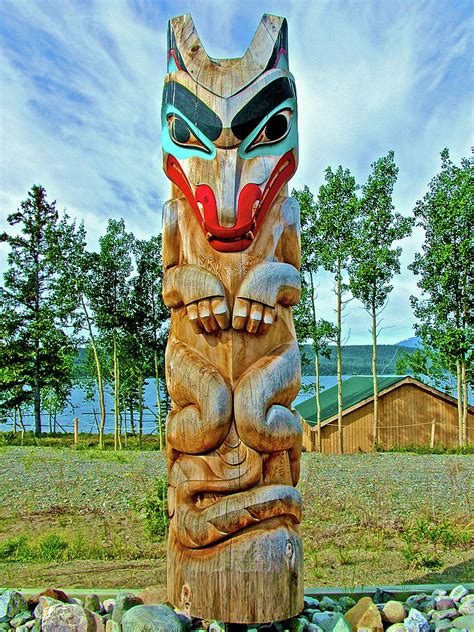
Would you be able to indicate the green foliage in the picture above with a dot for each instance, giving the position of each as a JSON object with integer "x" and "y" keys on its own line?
{"x": 153, "y": 509}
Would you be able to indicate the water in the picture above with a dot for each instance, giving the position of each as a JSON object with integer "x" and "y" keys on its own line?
{"x": 88, "y": 411}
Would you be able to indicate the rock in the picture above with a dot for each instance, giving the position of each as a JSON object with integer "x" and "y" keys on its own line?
{"x": 465, "y": 622}
{"x": 450, "y": 613}
{"x": 444, "y": 603}
{"x": 371, "y": 620}
{"x": 45, "y": 602}
{"x": 112, "y": 626}
{"x": 467, "y": 598}
{"x": 439, "y": 593}
{"x": 326, "y": 603}
{"x": 92, "y": 602}
{"x": 67, "y": 617}
{"x": 336, "y": 623}
{"x": 11, "y": 604}
{"x": 414, "y": 600}
{"x": 312, "y": 627}
{"x": 5, "y": 626}
{"x": 442, "y": 625}
{"x": 152, "y": 595}
{"x": 416, "y": 622}
{"x": 34, "y": 625}
{"x": 356, "y": 612}
{"x": 319, "y": 617}
{"x": 393, "y": 612}
{"x": 466, "y": 608}
{"x": 108, "y": 605}
{"x": 458, "y": 593}
{"x": 123, "y": 602}
{"x": 396, "y": 627}
{"x": 298, "y": 624}
{"x": 427, "y": 604}
{"x": 311, "y": 602}
{"x": 77, "y": 601}
{"x": 98, "y": 622}
{"x": 154, "y": 619}
{"x": 382, "y": 596}
{"x": 215, "y": 626}
{"x": 54, "y": 593}
{"x": 21, "y": 618}
{"x": 346, "y": 603}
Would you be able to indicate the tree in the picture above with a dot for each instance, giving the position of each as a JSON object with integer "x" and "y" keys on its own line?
{"x": 307, "y": 325}
{"x": 338, "y": 209}
{"x": 36, "y": 311}
{"x": 445, "y": 310}
{"x": 109, "y": 293}
{"x": 374, "y": 260}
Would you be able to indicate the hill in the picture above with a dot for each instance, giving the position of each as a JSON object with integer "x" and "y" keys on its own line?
{"x": 356, "y": 359}
{"x": 413, "y": 343}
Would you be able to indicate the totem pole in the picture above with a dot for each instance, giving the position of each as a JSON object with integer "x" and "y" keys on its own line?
{"x": 231, "y": 253}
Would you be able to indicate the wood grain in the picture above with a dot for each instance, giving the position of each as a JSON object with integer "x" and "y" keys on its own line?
{"x": 232, "y": 362}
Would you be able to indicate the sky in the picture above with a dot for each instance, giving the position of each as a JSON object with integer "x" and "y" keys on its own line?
{"x": 81, "y": 94}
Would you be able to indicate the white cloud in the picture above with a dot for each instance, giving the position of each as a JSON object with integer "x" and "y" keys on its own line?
{"x": 82, "y": 89}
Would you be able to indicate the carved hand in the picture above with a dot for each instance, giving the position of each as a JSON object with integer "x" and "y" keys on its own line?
{"x": 209, "y": 314}
{"x": 266, "y": 285}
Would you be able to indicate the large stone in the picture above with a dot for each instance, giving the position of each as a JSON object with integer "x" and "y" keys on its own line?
{"x": 371, "y": 620}
{"x": 458, "y": 593}
{"x": 152, "y": 619}
{"x": 467, "y": 608}
{"x": 123, "y": 602}
{"x": 396, "y": 627}
{"x": 109, "y": 605}
{"x": 467, "y": 598}
{"x": 312, "y": 627}
{"x": 416, "y": 622}
{"x": 442, "y": 625}
{"x": 21, "y": 618}
{"x": 11, "y": 604}
{"x": 356, "y": 612}
{"x": 444, "y": 603}
{"x": 54, "y": 593}
{"x": 298, "y": 624}
{"x": 319, "y": 617}
{"x": 43, "y": 603}
{"x": 326, "y": 603}
{"x": 310, "y": 602}
{"x": 393, "y": 612}
{"x": 450, "y": 613}
{"x": 92, "y": 602}
{"x": 67, "y": 617}
{"x": 465, "y": 622}
{"x": 346, "y": 603}
{"x": 113, "y": 626}
{"x": 336, "y": 623}
{"x": 382, "y": 596}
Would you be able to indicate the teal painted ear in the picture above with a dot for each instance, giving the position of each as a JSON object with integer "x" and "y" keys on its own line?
{"x": 282, "y": 60}
{"x": 172, "y": 67}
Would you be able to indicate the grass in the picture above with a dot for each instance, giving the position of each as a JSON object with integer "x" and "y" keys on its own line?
{"x": 90, "y": 518}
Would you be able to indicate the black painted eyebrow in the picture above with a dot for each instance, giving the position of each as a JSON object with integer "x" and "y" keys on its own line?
{"x": 205, "y": 119}
{"x": 260, "y": 105}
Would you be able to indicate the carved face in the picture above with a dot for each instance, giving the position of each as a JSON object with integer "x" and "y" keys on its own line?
{"x": 229, "y": 130}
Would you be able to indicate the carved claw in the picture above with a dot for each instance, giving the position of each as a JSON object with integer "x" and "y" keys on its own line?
{"x": 253, "y": 316}
{"x": 209, "y": 315}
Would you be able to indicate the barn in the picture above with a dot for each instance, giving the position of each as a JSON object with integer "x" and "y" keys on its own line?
{"x": 411, "y": 413}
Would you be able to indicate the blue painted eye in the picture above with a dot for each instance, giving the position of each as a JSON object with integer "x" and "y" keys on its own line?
{"x": 181, "y": 134}
{"x": 275, "y": 130}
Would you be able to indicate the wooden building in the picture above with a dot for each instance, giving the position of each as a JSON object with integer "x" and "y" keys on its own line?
{"x": 410, "y": 413}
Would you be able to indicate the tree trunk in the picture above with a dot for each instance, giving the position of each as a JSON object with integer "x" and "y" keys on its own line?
{"x": 318, "y": 401}
{"x": 339, "y": 360}
{"x": 464, "y": 402}
{"x": 140, "y": 408}
{"x": 37, "y": 403}
{"x": 22, "y": 425}
{"x": 98, "y": 371}
{"x": 117, "y": 437}
{"x": 460, "y": 407}
{"x": 132, "y": 418}
{"x": 158, "y": 400}
{"x": 374, "y": 374}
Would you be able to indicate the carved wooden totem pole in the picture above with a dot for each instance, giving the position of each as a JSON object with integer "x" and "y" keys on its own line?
{"x": 231, "y": 252}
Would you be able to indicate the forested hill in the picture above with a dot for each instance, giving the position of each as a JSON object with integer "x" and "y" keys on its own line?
{"x": 356, "y": 359}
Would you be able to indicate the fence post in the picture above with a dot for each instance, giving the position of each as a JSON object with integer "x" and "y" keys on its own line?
{"x": 76, "y": 430}
{"x": 433, "y": 433}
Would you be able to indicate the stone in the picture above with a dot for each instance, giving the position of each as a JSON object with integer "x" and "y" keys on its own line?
{"x": 393, "y": 612}
{"x": 416, "y": 622}
{"x": 458, "y": 593}
{"x": 21, "y": 618}
{"x": 113, "y": 626}
{"x": 312, "y": 627}
{"x": 11, "y": 604}
{"x": 450, "y": 613}
{"x": 336, "y": 623}
{"x": 356, "y": 612}
{"x": 108, "y": 605}
{"x": 43, "y": 603}
{"x": 298, "y": 624}
{"x": 92, "y": 602}
{"x": 215, "y": 626}
{"x": 154, "y": 619}
{"x": 467, "y": 598}
{"x": 67, "y": 617}
{"x": 5, "y": 626}
{"x": 396, "y": 627}
{"x": 54, "y": 593}
{"x": 346, "y": 603}
{"x": 465, "y": 622}
{"x": 466, "y": 608}
{"x": 123, "y": 602}
{"x": 438, "y": 592}
{"x": 152, "y": 595}
{"x": 326, "y": 603}
{"x": 442, "y": 625}
{"x": 77, "y": 601}
{"x": 371, "y": 620}
{"x": 98, "y": 622}
{"x": 382, "y": 596}
{"x": 319, "y": 617}
{"x": 414, "y": 600}
{"x": 444, "y": 603}
{"x": 427, "y": 604}
{"x": 310, "y": 602}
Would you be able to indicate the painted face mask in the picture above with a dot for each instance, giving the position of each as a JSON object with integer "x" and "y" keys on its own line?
{"x": 229, "y": 130}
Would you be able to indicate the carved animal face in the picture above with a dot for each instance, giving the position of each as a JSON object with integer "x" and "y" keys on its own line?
{"x": 229, "y": 129}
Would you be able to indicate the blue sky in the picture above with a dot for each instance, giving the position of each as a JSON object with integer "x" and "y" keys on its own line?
{"x": 81, "y": 90}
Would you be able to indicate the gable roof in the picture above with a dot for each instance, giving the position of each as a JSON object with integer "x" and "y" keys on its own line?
{"x": 354, "y": 390}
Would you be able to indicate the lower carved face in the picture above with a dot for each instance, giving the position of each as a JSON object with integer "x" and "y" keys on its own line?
{"x": 230, "y": 157}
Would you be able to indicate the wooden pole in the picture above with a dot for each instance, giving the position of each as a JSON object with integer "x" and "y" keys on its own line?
{"x": 76, "y": 430}
{"x": 231, "y": 256}
{"x": 433, "y": 434}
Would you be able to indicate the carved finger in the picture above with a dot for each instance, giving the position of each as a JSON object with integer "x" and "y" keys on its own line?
{"x": 193, "y": 315}
{"x": 241, "y": 312}
{"x": 267, "y": 319}
{"x": 221, "y": 312}
{"x": 255, "y": 317}
{"x": 206, "y": 316}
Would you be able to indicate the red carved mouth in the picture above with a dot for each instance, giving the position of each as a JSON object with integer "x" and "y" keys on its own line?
{"x": 252, "y": 204}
